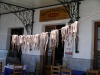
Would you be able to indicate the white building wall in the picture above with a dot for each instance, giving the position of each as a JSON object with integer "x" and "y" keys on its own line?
{"x": 86, "y": 28}
{"x": 6, "y": 23}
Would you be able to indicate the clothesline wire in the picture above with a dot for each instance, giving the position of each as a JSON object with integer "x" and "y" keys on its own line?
{"x": 90, "y": 16}
{"x": 60, "y": 29}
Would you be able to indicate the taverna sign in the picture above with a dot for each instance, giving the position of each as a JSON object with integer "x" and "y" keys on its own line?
{"x": 57, "y": 13}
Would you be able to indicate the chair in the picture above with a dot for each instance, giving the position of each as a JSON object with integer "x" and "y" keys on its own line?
{"x": 38, "y": 68}
{"x": 0, "y": 68}
{"x": 18, "y": 69}
{"x": 92, "y": 72}
{"x": 66, "y": 72}
{"x": 55, "y": 70}
{"x": 62, "y": 67}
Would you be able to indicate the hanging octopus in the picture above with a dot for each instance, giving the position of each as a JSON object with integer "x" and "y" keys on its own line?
{"x": 75, "y": 30}
{"x": 25, "y": 43}
{"x": 31, "y": 42}
{"x": 44, "y": 39}
{"x": 28, "y": 42}
{"x": 54, "y": 38}
{"x": 65, "y": 33}
{"x": 20, "y": 41}
{"x": 75, "y": 27}
{"x": 14, "y": 41}
{"x": 36, "y": 41}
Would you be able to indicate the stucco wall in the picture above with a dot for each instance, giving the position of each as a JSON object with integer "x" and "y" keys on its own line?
{"x": 86, "y": 28}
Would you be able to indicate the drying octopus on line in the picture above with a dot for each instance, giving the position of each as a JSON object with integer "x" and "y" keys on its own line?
{"x": 65, "y": 33}
{"x": 14, "y": 41}
{"x": 20, "y": 42}
{"x": 36, "y": 40}
{"x": 75, "y": 27}
{"x": 31, "y": 42}
{"x": 44, "y": 39}
{"x": 24, "y": 43}
{"x": 75, "y": 30}
{"x": 28, "y": 43}
{"x": 54, "y": 38}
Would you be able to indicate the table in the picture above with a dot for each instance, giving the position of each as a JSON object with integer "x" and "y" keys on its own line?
{"x": 75, "y": 72}
{"x": 9, "y": 70}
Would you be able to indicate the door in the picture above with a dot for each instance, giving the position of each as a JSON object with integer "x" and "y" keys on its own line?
{"x": 16, "y": 31}
{"x": 15, "y": 53}
{"x": 53, "y": 56}
{"x": 97, "y": 46}
{"x": 48, "y": 54}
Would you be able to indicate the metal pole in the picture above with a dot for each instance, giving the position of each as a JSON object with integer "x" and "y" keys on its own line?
{"x": 32, "y": 21}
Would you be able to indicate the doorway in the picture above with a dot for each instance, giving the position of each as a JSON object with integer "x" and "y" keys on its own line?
{"x": 16, "y": 31}
{"x": 53, "y": 57}
{"x": 15, "y": 54}
{"x": 97, "y": 46}
{"x": 58, "y": 56}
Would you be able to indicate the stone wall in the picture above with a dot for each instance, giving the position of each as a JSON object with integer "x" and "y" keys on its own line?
{"x": 30, "y": 61}
{"x": 77, "y": 63}
{"x": 73, "y": 63}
